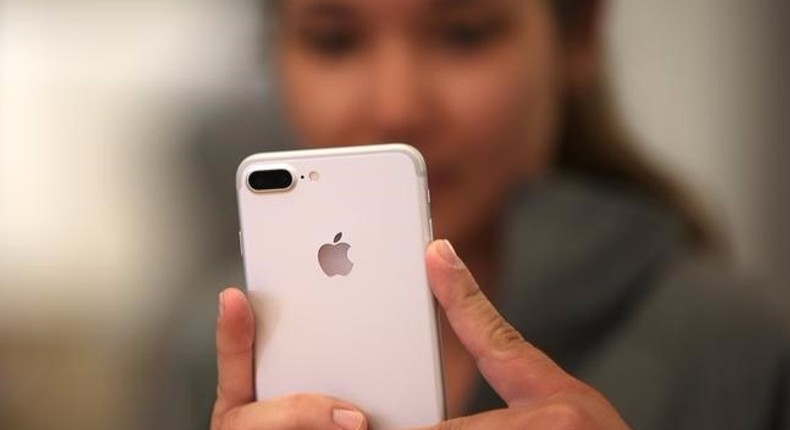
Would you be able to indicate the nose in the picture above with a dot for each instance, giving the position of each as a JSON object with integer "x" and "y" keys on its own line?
{"x": 400, "y": 99}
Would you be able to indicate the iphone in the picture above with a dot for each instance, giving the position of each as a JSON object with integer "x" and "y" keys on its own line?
{"x": 333, "y": 243}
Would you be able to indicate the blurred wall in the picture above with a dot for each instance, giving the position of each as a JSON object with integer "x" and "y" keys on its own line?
{"x": 97, "y": 222}
{"x": 704, "y": 84}
{"x": 95, "y": 95}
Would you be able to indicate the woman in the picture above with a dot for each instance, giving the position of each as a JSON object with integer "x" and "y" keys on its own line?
{"x": 582, "y": 246}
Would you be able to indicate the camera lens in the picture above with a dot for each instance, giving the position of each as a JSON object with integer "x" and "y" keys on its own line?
{"x": 270, "y": 180}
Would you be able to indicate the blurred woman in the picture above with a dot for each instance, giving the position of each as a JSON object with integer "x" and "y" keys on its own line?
{"x": 587, "y": 250}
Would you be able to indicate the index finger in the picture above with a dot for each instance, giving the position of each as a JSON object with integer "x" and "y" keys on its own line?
{"x": 514, "y": 368}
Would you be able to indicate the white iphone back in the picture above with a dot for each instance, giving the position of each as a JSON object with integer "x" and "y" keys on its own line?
{"x": 369, "y": 337}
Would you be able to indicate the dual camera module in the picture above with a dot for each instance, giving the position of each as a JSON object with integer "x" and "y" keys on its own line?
{"x": 270, "y": 180}
{"x": 275, "y": 180}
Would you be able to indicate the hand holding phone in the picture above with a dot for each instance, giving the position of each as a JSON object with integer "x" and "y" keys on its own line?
{"x": 235, "y": 407}
{"x": 539, "y": 393}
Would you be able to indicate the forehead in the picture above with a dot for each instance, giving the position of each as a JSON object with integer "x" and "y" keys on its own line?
{"x": 386, "y": 8}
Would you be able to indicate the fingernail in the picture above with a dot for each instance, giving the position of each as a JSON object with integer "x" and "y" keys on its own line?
{"x": 348, "y": 420}
{"x": 221, "y": 304}
{"x": 448, "y": 254}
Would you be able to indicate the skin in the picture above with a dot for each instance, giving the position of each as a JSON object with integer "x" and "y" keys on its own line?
{"x": 477, "y": 86}
{"x": 538, "y": 393}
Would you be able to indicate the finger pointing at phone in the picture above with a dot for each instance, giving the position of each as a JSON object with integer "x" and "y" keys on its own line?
{"x": 539, "y": 394}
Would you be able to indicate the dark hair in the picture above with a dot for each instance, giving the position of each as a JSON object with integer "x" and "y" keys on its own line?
{"x": 596, "y": 143}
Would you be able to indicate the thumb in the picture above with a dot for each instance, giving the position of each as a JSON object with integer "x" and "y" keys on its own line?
{"x": 235, "y": 333}
{"x": 515, "y": 369}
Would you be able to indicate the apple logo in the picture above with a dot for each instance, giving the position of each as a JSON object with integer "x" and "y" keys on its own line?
{"x": 333, "y": 257}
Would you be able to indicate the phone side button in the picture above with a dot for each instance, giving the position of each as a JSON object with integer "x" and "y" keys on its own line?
{"x": 241, "y": 244}
{"x": 430, "y": 227}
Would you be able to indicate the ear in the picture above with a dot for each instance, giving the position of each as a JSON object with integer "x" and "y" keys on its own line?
{"x": 584, "y": 40}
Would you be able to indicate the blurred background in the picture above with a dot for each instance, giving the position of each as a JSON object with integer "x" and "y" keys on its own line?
{"x": 121, "y": 123}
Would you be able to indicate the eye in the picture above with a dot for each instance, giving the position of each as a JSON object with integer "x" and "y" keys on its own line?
{"x": 467, "y": 36}
{"x": 331, "y": 43}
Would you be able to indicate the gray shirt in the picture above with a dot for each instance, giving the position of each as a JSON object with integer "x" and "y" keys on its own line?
{"x": 607, "y": 284}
